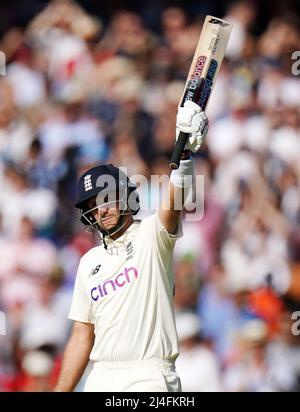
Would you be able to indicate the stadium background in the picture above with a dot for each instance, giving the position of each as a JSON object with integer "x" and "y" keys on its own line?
{"x": 93, "y": 82}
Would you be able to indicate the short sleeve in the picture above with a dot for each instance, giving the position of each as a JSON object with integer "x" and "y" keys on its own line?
{"x": 80, "y": 306}
{"x": 155, "y": 230}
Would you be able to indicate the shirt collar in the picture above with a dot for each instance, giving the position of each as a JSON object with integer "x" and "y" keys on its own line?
{"x": 127, "y": 235}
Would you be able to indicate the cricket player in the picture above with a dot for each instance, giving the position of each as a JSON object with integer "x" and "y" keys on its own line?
{"x": 122, "y": 304}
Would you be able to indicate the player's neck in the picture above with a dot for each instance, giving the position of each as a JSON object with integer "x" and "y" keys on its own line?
{"x": 119, "y": 233}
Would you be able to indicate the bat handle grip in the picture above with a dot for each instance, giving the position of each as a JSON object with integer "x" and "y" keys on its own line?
{"x": 178, "y": 150}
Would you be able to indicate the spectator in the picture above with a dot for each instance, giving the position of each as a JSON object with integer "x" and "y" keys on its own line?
{"x": 197, "y": 364}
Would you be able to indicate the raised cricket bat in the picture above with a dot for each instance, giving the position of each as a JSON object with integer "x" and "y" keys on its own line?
{"x": 203, "y": 72}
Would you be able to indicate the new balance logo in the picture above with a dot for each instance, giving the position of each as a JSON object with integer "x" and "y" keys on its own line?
{"x": 88, "y": 183}
{"x": 95, "y": 270}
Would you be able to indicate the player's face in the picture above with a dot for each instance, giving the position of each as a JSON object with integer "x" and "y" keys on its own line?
{"x": 107, "y": 213}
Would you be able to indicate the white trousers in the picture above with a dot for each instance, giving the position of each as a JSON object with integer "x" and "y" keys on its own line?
{"x": 137, "y": 376}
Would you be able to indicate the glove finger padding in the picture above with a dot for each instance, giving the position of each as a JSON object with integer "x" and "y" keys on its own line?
{"x": 192, "y": 105}
{"x": 188, "y": 119}
{"x": 184, "y": 117}
{"x": 191, "y": 119}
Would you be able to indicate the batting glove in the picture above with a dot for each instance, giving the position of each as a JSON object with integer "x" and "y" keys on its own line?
{"x": 191, "y": 119}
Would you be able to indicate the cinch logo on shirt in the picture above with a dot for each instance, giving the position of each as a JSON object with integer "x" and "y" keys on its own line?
{"x": 111, "y": 285}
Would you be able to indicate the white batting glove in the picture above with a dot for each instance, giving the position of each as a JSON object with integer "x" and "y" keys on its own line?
{"x": 191, "y": 119}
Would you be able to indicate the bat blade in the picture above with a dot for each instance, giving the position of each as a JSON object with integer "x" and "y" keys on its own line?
{"x": 203, "y": 71}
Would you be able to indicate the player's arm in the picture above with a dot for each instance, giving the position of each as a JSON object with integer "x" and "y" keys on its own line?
{"x": 190, "y": 119}
{"x": 76, "y": 356}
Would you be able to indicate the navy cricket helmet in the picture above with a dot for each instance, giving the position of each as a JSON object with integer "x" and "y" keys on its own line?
{"x": 106, "y": 179}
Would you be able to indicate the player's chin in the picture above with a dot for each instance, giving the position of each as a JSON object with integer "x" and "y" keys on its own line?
{"x": 111, "y": 223}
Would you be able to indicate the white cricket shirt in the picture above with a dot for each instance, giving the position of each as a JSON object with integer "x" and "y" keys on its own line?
{"x": 127, "y": 293}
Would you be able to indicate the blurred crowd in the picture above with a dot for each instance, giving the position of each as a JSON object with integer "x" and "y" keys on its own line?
{"x": 78, "y": 92}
